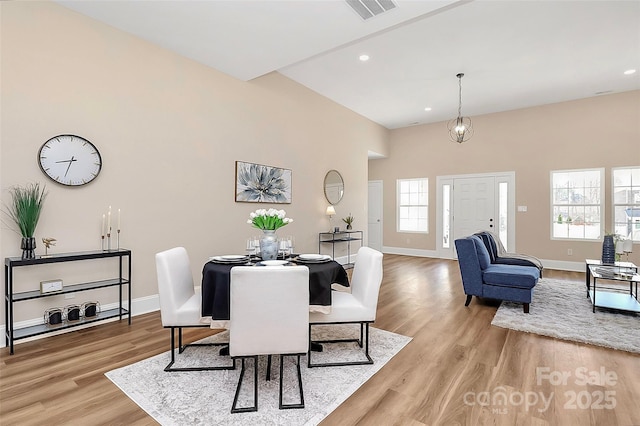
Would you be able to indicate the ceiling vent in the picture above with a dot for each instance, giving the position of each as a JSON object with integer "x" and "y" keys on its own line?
{"x": 370, "y": 8}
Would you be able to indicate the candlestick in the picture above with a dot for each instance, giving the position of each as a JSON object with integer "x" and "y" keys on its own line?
{"x": 103, "y": 242}
{"x": 118, "y": 239}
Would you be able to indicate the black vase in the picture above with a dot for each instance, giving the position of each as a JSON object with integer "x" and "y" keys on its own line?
{"x": 608, "y": 250}
{"x": 28, "y": 246}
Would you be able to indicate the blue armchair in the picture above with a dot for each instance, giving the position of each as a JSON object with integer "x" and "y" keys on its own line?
{"x": 481, "y": 278}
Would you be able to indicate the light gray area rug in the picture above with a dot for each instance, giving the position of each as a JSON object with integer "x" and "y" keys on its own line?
{"x": 205, "y": 397}
{"x": 562, "y": 309}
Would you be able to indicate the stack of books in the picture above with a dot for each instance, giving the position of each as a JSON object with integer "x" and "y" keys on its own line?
{"x": 615, "y": 272}
{"x": 606, "y": 272}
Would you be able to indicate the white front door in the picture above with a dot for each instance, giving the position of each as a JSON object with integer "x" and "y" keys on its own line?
{"x": 474, "y": 206}
{"x": 471, "y": 203}
{"x": 374, "y": 231}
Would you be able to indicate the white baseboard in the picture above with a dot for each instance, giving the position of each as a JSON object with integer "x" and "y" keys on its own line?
{"x": 139, "y": 306}
{"x": 410, "y": 252}
{"x": 563, "y": 265}
{"x": 549, "y": 264}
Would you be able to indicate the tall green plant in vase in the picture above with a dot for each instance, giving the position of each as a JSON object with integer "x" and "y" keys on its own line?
{"x": 24, "y": 210}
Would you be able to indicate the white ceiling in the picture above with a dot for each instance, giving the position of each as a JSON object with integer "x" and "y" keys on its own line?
{"x": 514, "y": 54}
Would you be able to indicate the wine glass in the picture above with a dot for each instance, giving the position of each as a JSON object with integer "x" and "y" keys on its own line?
{"x": 256, "y": 245}
{"x": 284, "y": 246}
{"x": 290, "y": 243}
{"x": 252, "y": 246}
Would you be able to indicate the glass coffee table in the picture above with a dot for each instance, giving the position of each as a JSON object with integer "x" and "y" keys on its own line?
{"x": 610, "y": 294}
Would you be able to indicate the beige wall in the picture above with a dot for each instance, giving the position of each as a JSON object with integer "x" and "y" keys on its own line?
{"x": 597, "y": 132}
{"x": 169, "y": 131}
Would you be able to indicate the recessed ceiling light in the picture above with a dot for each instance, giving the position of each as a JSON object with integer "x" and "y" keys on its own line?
{"x": 427, "y": 109}
{"x": 629, "y": 72}
{"x": 364, "y": 58}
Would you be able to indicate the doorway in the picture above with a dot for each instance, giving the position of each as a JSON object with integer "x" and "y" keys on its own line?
{"x": 470, "y": 203}
{"x": 374, "y": 221}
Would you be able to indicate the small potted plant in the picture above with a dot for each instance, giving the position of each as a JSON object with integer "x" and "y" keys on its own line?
{"x": 24, "y": 210}
{"x": 348, "y": 220}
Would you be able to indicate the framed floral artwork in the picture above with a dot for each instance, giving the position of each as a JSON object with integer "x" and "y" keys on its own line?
{"x": 256, "y": 183}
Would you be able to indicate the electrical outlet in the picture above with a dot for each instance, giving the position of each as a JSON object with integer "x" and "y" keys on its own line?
{"x": 70, "y": 296}
{"x": 570, "y": 252}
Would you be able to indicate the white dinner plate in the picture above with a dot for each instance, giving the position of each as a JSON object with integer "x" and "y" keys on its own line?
{"x": 313, "y": 258}
{"x": 234, "y": 256}
{"x": 274, "y": 262}
{"x": 233, "y": 259}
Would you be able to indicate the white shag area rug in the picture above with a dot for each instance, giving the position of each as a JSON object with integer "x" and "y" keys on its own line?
{"x": 562, "y": 309}
{"x": 205, "y": 397}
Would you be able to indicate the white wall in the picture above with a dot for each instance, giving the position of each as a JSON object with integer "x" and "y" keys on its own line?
{"x": 169, "y": 131}
{"x": 602, "y": 131}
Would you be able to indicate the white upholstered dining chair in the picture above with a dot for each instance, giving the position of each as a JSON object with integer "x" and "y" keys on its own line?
{"x": 357, "y": 307}
{"x": 269, "y": 316}
{"x": 180, "y": 304}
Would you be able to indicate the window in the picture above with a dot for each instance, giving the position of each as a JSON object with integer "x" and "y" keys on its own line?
{"x": 446, "y": 215}
{"x": 413, "y": 195}
{"x": 626, "y": 202}
{"x": 576, "y": 204}
{"x": 503, "y": 214}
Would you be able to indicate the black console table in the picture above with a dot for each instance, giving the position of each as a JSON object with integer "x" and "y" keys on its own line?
{"x": 339, "y": 237}
{"x": 13, "y": 334}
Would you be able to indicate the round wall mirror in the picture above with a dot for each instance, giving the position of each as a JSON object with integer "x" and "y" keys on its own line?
{"x": 333, "y": 186}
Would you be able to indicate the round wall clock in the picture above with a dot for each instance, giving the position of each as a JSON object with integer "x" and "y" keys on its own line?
{"x": 70, "y": 160}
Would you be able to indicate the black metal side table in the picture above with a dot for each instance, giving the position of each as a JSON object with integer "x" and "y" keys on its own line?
{"x": 340, "y": 237}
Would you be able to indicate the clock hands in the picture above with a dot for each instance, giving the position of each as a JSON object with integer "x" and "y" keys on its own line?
{"x": 71, "y": 160}
{"x": 64, "y": 150}
{"x": 69, "y": 166}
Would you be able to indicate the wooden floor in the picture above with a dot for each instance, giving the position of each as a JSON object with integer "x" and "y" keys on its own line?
{"x": 450, "y": 373}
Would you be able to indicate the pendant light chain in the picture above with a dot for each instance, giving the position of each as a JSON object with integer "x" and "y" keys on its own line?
{"x": 460, "y": 95}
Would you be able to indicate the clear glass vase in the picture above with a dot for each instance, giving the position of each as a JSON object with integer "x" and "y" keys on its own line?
{"x": 269, "y": 245}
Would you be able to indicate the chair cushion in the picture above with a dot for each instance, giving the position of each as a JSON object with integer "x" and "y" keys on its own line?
{"x": 511, "y": 276}
{"x": 490, "y": 244}
{"x": 188, "y": 314}
{"x": 269, "y": 311}
{"x": 344, "y": 308}
{"x": 179, "y": 303}
{"x": 483, "y": 253}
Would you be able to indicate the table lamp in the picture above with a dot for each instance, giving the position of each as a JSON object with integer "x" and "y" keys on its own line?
{"x": 331, "y": 211}
{"x": 619, "y": 248}
{"x": 627, "y": 247}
